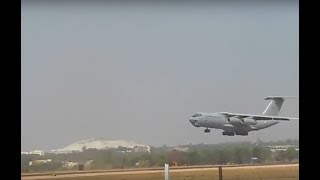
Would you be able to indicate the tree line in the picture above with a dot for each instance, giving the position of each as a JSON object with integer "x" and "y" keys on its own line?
{"x": 200, "y": 154}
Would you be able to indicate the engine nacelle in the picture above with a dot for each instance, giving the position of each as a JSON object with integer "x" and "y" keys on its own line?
{"x": 248, "y": 121}
{"x": 234, "y": 120}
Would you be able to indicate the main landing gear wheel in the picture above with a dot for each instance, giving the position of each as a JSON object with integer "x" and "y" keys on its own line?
{"x": 228, "y": 133}
{"x": 207, "y": 130}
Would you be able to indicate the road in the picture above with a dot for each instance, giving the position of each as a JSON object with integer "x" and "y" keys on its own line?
{"x": 122, "y": 172}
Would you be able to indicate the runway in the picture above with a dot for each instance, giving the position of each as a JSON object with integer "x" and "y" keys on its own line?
{"x": 143, "y": 171}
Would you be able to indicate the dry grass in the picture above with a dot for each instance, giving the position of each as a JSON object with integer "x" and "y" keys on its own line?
{"x": 273, "y": 173}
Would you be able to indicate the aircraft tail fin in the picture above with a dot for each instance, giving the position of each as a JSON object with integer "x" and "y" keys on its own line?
{"x": 275, "y": 105}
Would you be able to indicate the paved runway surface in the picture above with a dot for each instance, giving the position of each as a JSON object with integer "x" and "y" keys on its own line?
{"x": 198, "y": 168}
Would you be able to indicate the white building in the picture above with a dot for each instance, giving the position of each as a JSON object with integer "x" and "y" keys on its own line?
{"x": 41, "y": 161}
{"x": 181, "y": 148}
{"x": 138, "y": 148}
{"x": 282, "y": 148}
{"x": 62, "y": 152}
{"x": 69, "y": 164}
{"x": 39, "y": 152}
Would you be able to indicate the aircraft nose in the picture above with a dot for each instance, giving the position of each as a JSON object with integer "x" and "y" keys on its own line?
{"x": 194, "y": 122}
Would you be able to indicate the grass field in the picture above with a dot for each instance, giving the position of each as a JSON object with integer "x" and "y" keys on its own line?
{"x": 270, "y": 173}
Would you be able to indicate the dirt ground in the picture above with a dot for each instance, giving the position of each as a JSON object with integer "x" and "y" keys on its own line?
{"x": 270, "y": 172}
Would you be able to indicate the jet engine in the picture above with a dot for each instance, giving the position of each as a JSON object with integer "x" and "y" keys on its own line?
{"x": 248, "y": 121}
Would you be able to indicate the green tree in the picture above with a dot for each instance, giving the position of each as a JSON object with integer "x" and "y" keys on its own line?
{"x": 241, "y": 155}
{"x": 192, "y": 157}
{"x": 292, "y": 153}
{"x": 224, "y": 155}
{"x": 262, "y": 153}
{"x": 281, "y": 156}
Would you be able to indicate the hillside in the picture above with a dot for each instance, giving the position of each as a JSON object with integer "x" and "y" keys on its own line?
{"x": 100, "y": 144}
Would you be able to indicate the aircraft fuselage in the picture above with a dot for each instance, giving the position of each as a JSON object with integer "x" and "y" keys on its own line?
{"x": 232, "y": 125}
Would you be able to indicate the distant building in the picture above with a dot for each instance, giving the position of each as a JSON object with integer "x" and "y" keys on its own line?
{"x": 88, "y": 163}
{"x": 69, "y": 164}
{"x": 61, "y": 152}
{"x": 124, "y": 149}
{"x": 181, "y": 148}
{"x": 141, "y": 149}
{"x": 39, "y": 152}
{"x": 282, "y": 148}
{"x": 39, "y": 162}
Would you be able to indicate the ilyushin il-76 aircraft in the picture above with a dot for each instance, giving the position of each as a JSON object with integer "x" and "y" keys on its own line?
{"x": 240, "y": 124}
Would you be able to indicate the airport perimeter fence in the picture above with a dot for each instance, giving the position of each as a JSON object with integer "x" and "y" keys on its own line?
{"x": 166, "y": 172}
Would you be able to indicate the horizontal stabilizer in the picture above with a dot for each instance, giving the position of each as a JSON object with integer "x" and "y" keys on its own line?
{"x": 280, "y": 97}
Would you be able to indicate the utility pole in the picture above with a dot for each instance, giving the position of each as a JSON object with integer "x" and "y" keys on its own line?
{"x": 220, "y": 172}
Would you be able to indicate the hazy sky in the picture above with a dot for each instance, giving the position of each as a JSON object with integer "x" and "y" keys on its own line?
{"x": 139, "y": 71}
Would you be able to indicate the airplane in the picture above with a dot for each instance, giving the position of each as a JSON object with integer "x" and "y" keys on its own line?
{"x": 240, "y": 124}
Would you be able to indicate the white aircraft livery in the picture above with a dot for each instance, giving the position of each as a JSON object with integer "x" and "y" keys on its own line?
{"x": 240, "y": 124}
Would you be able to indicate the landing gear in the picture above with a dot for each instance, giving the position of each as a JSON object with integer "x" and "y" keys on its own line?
{"x": 228, "y": 133}
{"x": 207, "y": 130}
{"x": 242, "y": 134}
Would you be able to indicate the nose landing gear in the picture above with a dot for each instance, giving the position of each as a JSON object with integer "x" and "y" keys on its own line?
{"x": 207, "y": 130}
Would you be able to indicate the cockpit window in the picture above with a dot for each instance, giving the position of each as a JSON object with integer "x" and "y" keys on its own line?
{"x": 196, "y": 115}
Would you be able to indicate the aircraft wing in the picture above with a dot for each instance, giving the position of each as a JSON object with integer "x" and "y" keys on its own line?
{"x": 257, "y": 117}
